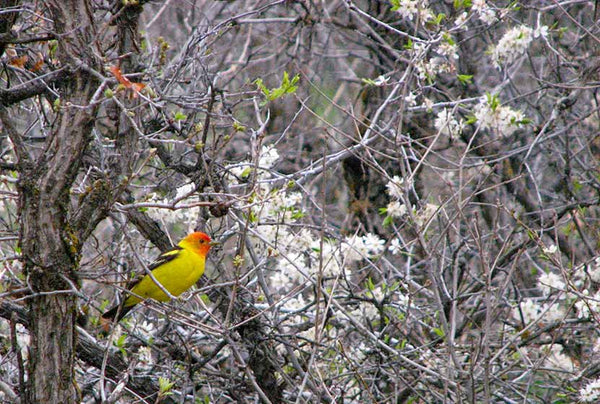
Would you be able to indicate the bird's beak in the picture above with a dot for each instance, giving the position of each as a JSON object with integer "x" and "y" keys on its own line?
{"x": 214, "y": 243}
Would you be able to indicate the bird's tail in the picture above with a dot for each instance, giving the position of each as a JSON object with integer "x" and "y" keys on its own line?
{"x": 115, "y": 314}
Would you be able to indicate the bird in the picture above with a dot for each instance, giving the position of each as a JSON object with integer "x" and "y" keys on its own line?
{"x": 177, "y": 270}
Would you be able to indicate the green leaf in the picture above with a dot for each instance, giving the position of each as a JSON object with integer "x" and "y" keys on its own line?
{"x": 179, "y": 116}
{"x": 437, "y": 20}
{"x": 369, "y": 82}
{"x": 395, "y": 5}
{"x": 238, "y": 127}
{"x": 493, "y": 101}
{"x": 439, "y": 332}
{"x": 120, "y": 342}
{"x": 458, "y": 4}
{"x": 298, "y": 214}
{"x": 246, "y": 172}
{"x": 287, "y": 87}
{"x": 448, "y": 38}
{"x": 465, "y": 78}
{"x": 165, "y": 386}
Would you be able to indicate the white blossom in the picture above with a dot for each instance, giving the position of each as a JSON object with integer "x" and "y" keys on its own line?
{"x": 541, "y": 31}
{"x": 239, "y": 171}
{"x": 550, "y": 282}
{"x": 145, "y": 357}
{"x": 381, "y": 81}
{"x": 396, "y": 209}
{"x": 410, "y": 99}
{"x": 549, "y": 250}
{"x": 185, "y": 191}
{"x": 491, "y": 115}
{"x": 446, "y": 123}
{"x": 395, "y": 187}
{"x": 268, "y": 156}
{"x": 594, "y": 270}
{"x": 378, "y": 293}
{"x": 529, "y": 309}
{"x": 410, "y": 8}
{"x": 553, "y": 312}
{"x": 365, "y": 311}
{"x": 461, "y": 21}
{"x": 355, "y": 248}
{"x": 427, "y": 103}
{"x": 401, "y": 298}
{"x": 373, "y": 244}
{"x": 448, "y": 49}
{"x": 289, "y": 270}
{"x": 425, "y": 214}
{"x": 512, "y": 45}
{"x": 395, "y": 247}
{"x": 486, "y": 14}
{"x": 591, "y": 392}
{"x": 556, "y": 358}
{"x": 586, "y": 305}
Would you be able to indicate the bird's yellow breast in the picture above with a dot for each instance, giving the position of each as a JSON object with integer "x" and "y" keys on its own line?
{"x": 176, "y": 276}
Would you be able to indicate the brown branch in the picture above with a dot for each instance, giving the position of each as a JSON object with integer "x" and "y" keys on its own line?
{"x": 149, "y": 229}
{"x": 11, "y": 38}
{"x": 37, "y": 86}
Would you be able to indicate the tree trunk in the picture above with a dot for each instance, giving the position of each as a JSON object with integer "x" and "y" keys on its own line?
{"x": 50, "y": 248}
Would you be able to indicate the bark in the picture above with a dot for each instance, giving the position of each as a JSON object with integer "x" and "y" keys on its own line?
{"x": 50, "y": 248}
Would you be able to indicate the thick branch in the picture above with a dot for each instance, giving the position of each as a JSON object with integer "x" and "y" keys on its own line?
{"x": 37, "y": 86}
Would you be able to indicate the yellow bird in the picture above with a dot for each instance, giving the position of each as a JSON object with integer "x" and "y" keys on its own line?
{"x": 176, "y": 270}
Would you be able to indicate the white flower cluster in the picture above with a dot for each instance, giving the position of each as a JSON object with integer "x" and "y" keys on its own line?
{"x": 448, "y": 49}
{"x": 395, "y": 247}
{"x": 557, "y": 359}
{"x": 594, "y": 270}
{"x": 588, "y": 305}
{"x": 396, "y": 208}
{"x": 443, "y": 60}
{"x": 446, "y": 123}
{"x": 187, "y": 216}
{"x": 461, "y": 21}
{"x": 267, "y": 158}
{"x": 410, "y": 100}
{"x": 367, "y": 312}
{"x": 355, "y": 248}
{"x": 528, "y": 309}
{"x": 411, "y": 8}
{"x": 394, "y": 187}
{"x": 591, "y": 392}
{"x": 532, "y": 311}
{"x": 486, "y": 14}
{"x": 512, "y": 45}
{"x": 502, "y": 119}
{"x": 550, "y": 282}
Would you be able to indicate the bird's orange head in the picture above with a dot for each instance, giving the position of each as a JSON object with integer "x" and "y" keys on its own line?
{"x": 198, "y": 242}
